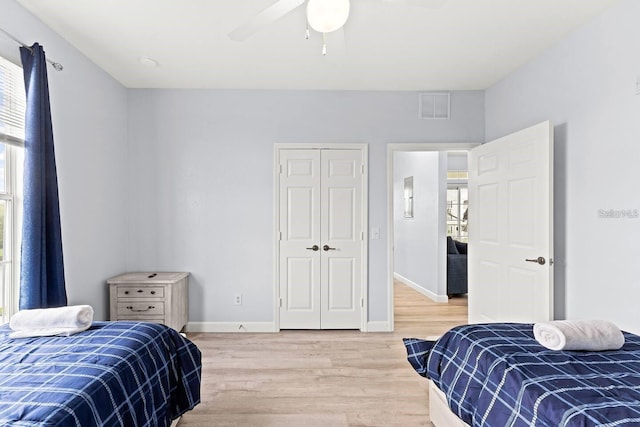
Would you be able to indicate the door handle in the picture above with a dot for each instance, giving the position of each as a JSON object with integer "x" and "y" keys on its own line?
{"x": 540, "y": 260}
{"x": 314, "y": 248}
{"x": 327, "y": 248}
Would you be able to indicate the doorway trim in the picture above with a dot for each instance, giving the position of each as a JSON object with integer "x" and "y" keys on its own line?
{"x": 404, "y": 147}
{"x": 364, "y": 150}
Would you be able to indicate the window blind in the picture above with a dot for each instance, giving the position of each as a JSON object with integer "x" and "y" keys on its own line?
{"x": 12, "y": 103}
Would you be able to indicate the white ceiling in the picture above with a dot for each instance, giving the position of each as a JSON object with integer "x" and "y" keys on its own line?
{"x": 462, "y": 45}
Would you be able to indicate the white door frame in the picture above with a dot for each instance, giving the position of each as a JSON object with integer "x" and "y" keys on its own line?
{"x": 391, "y": 149}
{"x": 364, "y": 149}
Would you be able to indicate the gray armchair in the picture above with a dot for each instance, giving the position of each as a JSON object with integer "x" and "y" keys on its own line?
{"x": 456, "y": 267}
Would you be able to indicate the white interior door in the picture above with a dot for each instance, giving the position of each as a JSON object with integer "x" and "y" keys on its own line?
{"x": 321, "y": 238}
{"x": 342, "y": 239}
{"x": 299, "y": 264}
{"x": 511, "y": 228}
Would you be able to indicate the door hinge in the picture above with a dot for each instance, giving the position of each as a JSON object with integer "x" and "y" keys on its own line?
{"x": 280, "y": 302}
{"x": 281, "y": 168}
{"x": 362, "y": 235}
{"x": 362, "y": 168}
{"x": 361, "y": 302}
{"x": 280, "y": 235}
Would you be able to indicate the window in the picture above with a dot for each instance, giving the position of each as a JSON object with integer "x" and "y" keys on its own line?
{"x": 457, "y": 205}
{"x": 12, "y": 110}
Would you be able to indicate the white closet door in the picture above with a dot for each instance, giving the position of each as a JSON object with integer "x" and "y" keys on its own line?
{"x": 320, "y": 211}
{"x": 300, "y": 239}
{"x": 341, "y": 234}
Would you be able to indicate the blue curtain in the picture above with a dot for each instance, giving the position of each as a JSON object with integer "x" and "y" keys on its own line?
{"x": 42, "y": 268}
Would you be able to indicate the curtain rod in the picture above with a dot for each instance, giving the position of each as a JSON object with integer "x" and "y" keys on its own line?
{"x": 58, "y": 66}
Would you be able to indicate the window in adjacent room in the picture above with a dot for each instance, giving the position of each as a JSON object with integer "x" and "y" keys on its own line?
{"x": 457, "y": 205}
{"x": 12, "y": 110}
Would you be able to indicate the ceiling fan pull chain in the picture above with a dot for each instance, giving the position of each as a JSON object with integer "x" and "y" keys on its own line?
{"x": 324, "y": 44}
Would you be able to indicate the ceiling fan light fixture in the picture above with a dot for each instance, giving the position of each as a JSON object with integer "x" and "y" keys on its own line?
{"x": 326, "y": 16}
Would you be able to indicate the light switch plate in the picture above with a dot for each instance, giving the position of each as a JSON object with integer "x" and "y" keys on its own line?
{"x": 375, "y": 233}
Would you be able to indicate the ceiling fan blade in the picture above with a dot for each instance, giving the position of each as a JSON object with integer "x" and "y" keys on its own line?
{"x": 269, "y": 15}
{"x": 433, "y": 4}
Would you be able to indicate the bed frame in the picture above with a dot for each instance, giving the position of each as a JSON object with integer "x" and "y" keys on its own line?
{"x": 439, "y": 412}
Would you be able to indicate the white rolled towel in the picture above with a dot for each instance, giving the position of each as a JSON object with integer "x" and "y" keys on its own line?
{"x": 41, "y": 322}
{"x": 590, "y": 335}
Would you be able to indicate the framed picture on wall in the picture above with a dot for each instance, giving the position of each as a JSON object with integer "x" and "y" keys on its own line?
{"x": 408, "y": 197}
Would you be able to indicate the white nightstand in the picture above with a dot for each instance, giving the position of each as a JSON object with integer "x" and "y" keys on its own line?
{"x": 160, "y": 297}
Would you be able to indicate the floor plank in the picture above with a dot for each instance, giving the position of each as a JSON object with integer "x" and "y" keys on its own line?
{"x": 321, "y": 378}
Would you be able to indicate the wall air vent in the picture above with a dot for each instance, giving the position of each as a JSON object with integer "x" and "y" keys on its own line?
{"x": 435, "y": 105}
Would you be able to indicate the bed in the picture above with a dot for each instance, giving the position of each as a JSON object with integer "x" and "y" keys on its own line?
{"x": 499, "y": 375}
{"x": 113, "y": 374}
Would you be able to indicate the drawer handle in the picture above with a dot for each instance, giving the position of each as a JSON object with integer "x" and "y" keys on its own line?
{"x": 140, "y": 291}
{"x": 151, "y": 307}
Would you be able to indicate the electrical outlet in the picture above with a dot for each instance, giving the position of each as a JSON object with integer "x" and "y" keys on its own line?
{"x": 237, "y": 299}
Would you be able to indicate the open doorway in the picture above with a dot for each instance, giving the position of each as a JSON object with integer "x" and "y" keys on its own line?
{"x": 421, "y": 216}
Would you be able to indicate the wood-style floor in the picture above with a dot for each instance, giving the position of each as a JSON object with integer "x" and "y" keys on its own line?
{"x": 321, "y": 378}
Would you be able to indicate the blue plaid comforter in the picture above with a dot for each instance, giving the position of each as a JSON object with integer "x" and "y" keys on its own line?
{"x": 114, "y": 374}
{"x": 498, "y": 375}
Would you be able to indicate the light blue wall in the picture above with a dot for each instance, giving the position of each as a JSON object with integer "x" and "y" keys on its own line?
{"x": 586, "y": 85}
{"x": 182, "y": 179}
{"x": 89, "y": 115}
{"x": 172, "y": 179}
{"x": 417, "y": 239}
{"x": 201, "y": 181}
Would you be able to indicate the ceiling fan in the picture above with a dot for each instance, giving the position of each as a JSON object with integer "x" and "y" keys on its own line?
{"x": 324, "y": 16}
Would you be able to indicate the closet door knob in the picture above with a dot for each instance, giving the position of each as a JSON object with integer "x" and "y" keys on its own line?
{"x": 314, "y": 248}
{"x": 540, "y": 260}
{"x": 327, "y": 248}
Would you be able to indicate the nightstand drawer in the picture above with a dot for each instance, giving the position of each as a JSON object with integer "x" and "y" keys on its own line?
{"x": 140, "y": 307}
{"x": 143, "y": 318}
{"x": 145, "y": 291}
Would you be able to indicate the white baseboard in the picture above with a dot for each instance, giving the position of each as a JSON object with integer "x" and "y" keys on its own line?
{"x": 257, "y": 327}
{"x": 378, "y": 326}
{"x": 231, "y": 327}
{"x": 423, "y": 291}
